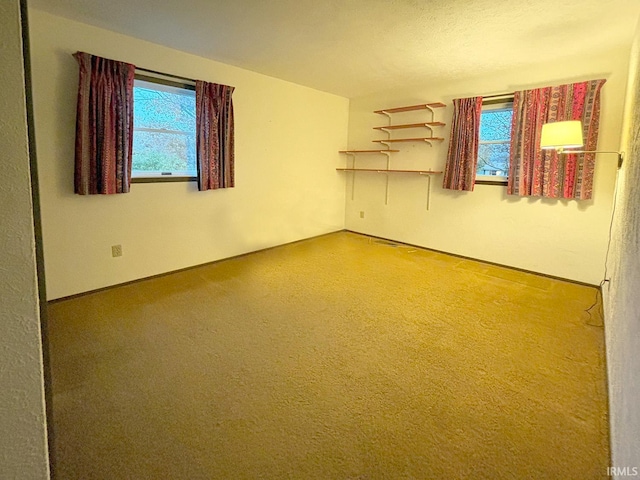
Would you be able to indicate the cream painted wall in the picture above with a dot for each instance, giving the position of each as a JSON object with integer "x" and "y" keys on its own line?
{"x": 562, "y": 238}
{"x": 287, "y": 138}
{"x": 23, "y": 445}
{"x": 622, "y": 308}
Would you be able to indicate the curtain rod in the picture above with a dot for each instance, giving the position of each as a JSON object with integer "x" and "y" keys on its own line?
{"x": 498, "y": 95}
{"x": 148, "y": 70}
{"x": 166, "y": 74}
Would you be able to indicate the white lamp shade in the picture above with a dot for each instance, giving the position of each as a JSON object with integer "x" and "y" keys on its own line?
{"x": 559, "y": 135}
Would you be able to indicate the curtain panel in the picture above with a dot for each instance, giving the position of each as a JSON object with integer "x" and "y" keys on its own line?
{"x": 462, "y": 159}
{"x": 544, "y": 173}
{"x": 215, "y": 135}
{"x": 104, "y": 125}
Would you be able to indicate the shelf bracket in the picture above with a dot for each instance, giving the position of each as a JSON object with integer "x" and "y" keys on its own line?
{"x": 433, "y": 113}
{"x": 430, "y": 127}
{"x": 386, "y": 194}
{"x": 353, "y": 174}
{"x": 428, "y": 175}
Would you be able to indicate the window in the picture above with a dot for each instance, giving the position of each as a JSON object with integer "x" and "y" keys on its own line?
{"x": 164, "y": 130}
{"x": 495, "y": 139}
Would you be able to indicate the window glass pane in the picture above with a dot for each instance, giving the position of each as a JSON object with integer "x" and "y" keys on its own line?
{"x": 495, "y": 136}
{"x": 163, "y": 152}
{"x": 164, "y": 123}
{"x": 493, "y": 159}
{"x": 495, "y": 125}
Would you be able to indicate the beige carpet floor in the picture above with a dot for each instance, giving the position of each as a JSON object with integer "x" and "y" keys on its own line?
{"x": 339, "y": 357}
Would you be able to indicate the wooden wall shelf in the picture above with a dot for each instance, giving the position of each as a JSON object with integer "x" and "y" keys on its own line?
{"x": 411, "y": 108}
{"x": 430, "y": 107}
{"x": 351, "y": 152}
{"x": 411, "y": 125}
{"x": 419, "y": 139}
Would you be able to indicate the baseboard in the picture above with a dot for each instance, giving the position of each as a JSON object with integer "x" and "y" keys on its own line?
{"x": 171, "y": 272}
{"x": 495, "y": 264}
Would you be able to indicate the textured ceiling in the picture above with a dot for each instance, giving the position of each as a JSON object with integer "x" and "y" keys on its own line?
{"x": 356, "y": 47}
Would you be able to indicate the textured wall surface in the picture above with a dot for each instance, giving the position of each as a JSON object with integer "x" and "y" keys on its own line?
{"x": 621, "y": 296}
{"x": 23, "y": 453}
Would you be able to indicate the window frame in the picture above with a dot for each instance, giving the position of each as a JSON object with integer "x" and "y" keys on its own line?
{"x": 167, "y": 80}
{"x": 502, "y": 102}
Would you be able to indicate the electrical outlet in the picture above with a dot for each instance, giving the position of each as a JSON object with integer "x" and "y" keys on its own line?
{"x": 116, "y": 250}
{"x": 361, "y": 214}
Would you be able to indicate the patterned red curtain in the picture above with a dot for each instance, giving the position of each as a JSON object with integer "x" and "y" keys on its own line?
{"x": 462, "y": 160}
{"x": 104, "y": 125}
{"x": 214, "y": 137}
{"x": 544, "y": 173}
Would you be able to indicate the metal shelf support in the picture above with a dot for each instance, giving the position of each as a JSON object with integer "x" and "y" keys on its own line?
{"x": 428, "y": 175}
